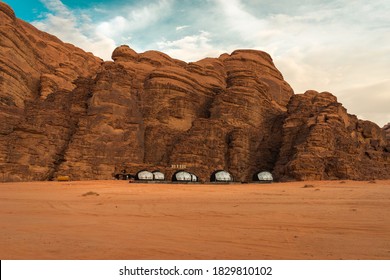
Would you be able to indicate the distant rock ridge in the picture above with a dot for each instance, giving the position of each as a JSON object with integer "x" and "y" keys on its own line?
{"x": 7, "y": 11}
{"x": 66, "y": 112}
{"x": 386, "y": 128}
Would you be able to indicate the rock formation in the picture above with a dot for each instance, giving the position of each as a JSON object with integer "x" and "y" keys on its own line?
{"x": 321, "y": 141}
{"x": 386, "y": 128}
{"x": 38, "y": 83}
{"x": 66, "y": 112}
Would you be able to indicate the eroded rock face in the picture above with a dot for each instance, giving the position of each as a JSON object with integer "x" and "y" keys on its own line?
{"x": 386, "y": 128}
{"x": 38, "y": 74}
{"x": 151, "y": 110}
{"x": 65, "y": 112}
{"x": 321, "y": 141}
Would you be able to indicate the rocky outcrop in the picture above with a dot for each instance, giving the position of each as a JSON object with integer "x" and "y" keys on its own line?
{"x": 386, "y": 129}
{"x": 36, "y": 71}
{"x": 65, "y": 112}
{"x": 151, "y": 109}
{"x": 321, "y": 141}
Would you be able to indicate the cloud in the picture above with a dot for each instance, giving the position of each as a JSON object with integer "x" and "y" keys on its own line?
{"x": 239, "y": 21}
{"x": 371, "y": 101}
{"x": 57, "y": 7}
{"x": 75, "y": 27}
{"x": 193, "y": 48}
{"x": 99, "y": 36}
{"x": 129, "y": 18}
{"x": 178, "y": 28}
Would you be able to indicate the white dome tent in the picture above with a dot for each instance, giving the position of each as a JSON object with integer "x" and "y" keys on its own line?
{"x": 194, "y": 178}
{"x": 221, "y": 176}
{"x": 158, "y": 176}
{"x": 184, "y": 176}
{"x": 263, "y": 177}
{"x": 144, "y": 175}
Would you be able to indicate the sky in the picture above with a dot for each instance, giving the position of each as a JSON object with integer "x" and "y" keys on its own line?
{"x": 340, "y": 46}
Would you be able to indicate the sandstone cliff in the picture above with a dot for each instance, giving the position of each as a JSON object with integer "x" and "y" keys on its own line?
{"x": 149, "y": 108}
{"x": 66, "y": 112}
{"x": 321, "y": 141}
{"x": 38, "y": 73}
{"x": 386, "y": 129}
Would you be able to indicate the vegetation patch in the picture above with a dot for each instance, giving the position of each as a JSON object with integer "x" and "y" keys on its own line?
{"x": 91, "y": 193}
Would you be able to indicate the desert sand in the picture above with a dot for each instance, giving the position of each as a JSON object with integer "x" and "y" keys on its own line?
{"x": 118, "y": 220}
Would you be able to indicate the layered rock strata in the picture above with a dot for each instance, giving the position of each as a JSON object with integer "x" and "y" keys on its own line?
{"x": 322, "y": 141}
{"x": 39, "y": 78}
{"x": 66, "y": 112}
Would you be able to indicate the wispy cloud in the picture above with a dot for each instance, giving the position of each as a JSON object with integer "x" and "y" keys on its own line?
{"x": 193, "y": 48}
{"x": 129, "y": 19}
{"x": 178, "y": 28}
{"x": 75, "y": 27}
{"x": 80, "y": 26}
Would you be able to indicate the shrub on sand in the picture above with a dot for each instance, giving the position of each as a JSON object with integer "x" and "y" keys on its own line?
{"x": 91, "y": 193}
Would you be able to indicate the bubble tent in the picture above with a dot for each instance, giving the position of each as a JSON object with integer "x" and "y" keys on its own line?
{"x": 158, "y": 176}
{"x": 144, "y": 175}
{"x": 184, "y": 176}
{"x": 221, "y": 176}
{"x": 263, "y": 176}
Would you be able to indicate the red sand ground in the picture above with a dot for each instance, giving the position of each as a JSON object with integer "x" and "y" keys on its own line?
{"x": 331, "y": 220}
